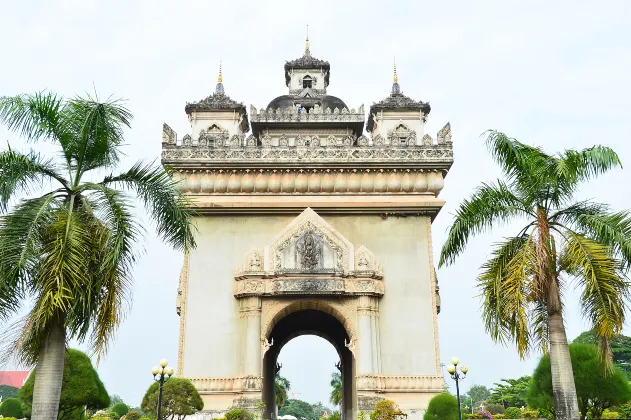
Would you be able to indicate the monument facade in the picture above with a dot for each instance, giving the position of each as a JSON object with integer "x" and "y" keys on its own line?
{"x": 312, "y": 219}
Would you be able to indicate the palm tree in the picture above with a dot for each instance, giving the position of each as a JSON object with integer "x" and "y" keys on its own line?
{"x": 562, "y": 240}
{"x": 281, "y": 385}
{"x": 71, "y": 250}
{"x": 336, "y": 388}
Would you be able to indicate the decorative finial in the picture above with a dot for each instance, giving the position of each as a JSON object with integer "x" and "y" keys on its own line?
{"x": 396, "y": 78}
{"x": 395, "y": 86}
{"x": 219, "y": 88}
{"x": 307, "y": 52}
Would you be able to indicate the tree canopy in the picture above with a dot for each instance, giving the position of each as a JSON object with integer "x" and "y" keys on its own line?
{"x": 7, "y": 391}
{"x": 179, "y": 399}
{"x": 281, "y": 385}
{"x": 620, "y": 349}
{"x": 595, "y": 390}
{"x": 510, "y": 392}
{"x": 337, "y": 392}
{"x": 81, "y": 386}
{"x": 477, "y": 394}
{"x": 302, "y": 409}
{"x": 561, "y": 241}
{"x": 11, "y": 407}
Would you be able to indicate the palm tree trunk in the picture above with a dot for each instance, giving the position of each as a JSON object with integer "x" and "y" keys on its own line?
{"x": 49, "y": 373}
{"x": 563, "y": 387}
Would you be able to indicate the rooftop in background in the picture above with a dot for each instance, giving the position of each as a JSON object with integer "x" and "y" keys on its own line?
{"x": 14, "y": 378}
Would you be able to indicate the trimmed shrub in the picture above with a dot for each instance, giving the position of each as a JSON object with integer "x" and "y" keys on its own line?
{"x": 120, "y": 408}
{"x": 610, "y": 415}
{"x": 386, "y": 410}
{"x": 239, "y": 414}
{"x": 133, "y": 415}
{"x": 9, "y": 418}
{"x": 11, "y": 407}
{"x": 530, "y": 414}
{"x": 442, "y": 407}
{"x": 512, "y": 413}
{"x": 495, "y": 409}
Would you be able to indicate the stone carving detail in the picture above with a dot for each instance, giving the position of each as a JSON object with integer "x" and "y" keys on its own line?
{"x": 283, "y": 142}
{"x": 350, "y": 344}
{"x": 402, "y": 136}
{"x": 364, "y": 260}
{"x": 428, "y": 140}
{"x": 251, "y": 141}
{"x": 362, "y": 141}
{"x": 168, "y": 135}
{"x": 366, "y": 403}
{"x": 444, "y": 135}
{"x": 309, "y": 249}
{"x": 230, "y": 384}
{"x": 399, "y": 383}
{"x": 266, "y": 345}
{"x": 280, "y": 285}
{"x": 187, "y": 141}
{"x": 308, "y": 285}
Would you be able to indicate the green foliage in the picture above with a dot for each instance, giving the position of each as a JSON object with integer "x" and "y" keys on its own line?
{"x": 113, "y": 415}
{"x": 281, "y": 385}
{"x": 133, "y": 415}
{"x": 115, "y": 399}
{"x": 179, "y": 398}
{"x": 11, "y": 407}
{"x": 442, "y": 407}
{"x": 337, "y": 391}
{"x": 335, "y": 416}
{"x": 9, "y": 418}
{"x": 512, "y": 413}
{"x": 386, "y": 410}
{"x": 120, "y": 408}
{"x": 596, "y": 391}
{"x": 299, "y": 409}
{"x": 7, "y": 391}
{"x": 610, "y": 415}
{"x": 495, "y": 408}
{"x": 535, "y": 414}
{"x": 510, "y": 392}
{"x": 625, "y": 411}
{"x": 239, "y": 414}
{"x": 81, "y": 385}
{"x": 478, "y": 394}
{"x": 362, "y": 415}
{"x": 620, "y": 349}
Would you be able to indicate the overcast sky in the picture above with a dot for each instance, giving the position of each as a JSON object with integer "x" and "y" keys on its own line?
{"x": 551, "y": 75}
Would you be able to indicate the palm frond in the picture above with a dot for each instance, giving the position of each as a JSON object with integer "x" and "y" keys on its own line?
{"x": 505, "y": 283}
{"x": 576, "y": 166}
{"x": 21, "y": 235}
{"x": 605, "y": 289}
{"x": 36, "y": 117}
{"x": 489, "y": 205}
{"x": 21, "y": 173}
{"x": 606, "y": 227}
{"x": 539, "y": 325}
{"x": 170, "y": 209}
{"x": 97, "y": 129}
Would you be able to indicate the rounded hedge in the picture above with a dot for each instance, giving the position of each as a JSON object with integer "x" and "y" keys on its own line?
{"x": 120, "y": 408}
{"x": 442, "y": 407}
{"x": 512, "y": 413}
{"x": 11, "y": 407}
{"x": 239, "y": 414}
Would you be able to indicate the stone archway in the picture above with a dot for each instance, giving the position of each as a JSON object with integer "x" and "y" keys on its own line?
{"x": 310, "y": 318}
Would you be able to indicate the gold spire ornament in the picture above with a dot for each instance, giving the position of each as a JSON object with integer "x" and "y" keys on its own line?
{"x": 220, "y": 78}
{"x": 307, "y": 52}
{"x": 396, "y": 78}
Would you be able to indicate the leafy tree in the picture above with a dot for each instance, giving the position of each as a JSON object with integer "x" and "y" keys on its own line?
{"x": 69, "y": 253}
{"x": 115, "y": 399}
{"x": 80, "y": 387}
{"x": 319, "y": 409}
{"x": 386, "y": 410}
{"x": 299, "y": 409}
{"x": 11, "y": 407}
{"x": 442, "y": 407}
{"x": 511, "y": 393}
{"x": 133, "y": 415}
{"x": 620, "y": 349}
{"x": 120, "y": 408}
{"x": 7, "y": 391}
{"x": 335, "y": 416}
{"x": 522, "y": 283}
{"x": 336, "y": 389}
{"x": 595, "y": 390}
{"x": 478, "y": 393}
{"x": 281, "y": 385}
{"x": 239, "y": 414}
{"x": 179, "y": 399}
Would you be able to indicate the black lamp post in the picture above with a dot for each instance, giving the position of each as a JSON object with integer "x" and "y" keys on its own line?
{"x": 161, "y": 375}
{"x": 453, "y": 371}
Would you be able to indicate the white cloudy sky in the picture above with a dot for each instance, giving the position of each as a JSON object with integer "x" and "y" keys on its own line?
{"x": 554, "y": 74}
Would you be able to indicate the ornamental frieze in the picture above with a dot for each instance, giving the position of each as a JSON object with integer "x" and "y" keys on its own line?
{"x": 305, "y": 286}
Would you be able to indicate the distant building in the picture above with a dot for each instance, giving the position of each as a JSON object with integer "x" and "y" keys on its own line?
{"x": 14, "y": 378}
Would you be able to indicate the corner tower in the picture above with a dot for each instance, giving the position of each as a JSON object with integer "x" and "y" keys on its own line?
{"x": 308, "y": 225}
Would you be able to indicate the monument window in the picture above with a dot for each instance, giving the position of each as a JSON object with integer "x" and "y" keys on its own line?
{"x": 307, "y": 82}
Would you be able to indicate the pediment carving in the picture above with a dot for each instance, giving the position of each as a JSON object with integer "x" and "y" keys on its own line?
{"x": 309, "y": 256}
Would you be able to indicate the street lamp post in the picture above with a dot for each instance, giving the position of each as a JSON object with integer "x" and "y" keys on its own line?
{"x": 161, "y": 375}
{"x": 453, "y": 371}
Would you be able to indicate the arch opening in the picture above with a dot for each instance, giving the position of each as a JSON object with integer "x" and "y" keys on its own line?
{"x": 309, "y": 321}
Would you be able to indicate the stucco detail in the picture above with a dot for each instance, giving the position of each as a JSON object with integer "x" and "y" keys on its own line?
{"x": 181, "y": 311}
{"x": 434, "y": 285}
{"x": 400, "y": 383}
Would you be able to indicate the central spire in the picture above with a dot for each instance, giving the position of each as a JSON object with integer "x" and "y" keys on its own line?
{"x": 219, "y": 88}
{"x": 396, "y": 89}
{"x": 307, "y": 52}
{"x": 395, "y": 78}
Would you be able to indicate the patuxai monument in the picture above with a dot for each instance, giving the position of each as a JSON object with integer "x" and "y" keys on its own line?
{"x": 313, "y": 217}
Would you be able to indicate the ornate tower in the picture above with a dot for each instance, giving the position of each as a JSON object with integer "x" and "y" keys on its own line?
{"x": 309, "y": 226}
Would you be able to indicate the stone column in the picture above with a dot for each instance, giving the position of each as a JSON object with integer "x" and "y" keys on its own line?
{"x": 367, "y": 336}
{"x": 250, "y": 308}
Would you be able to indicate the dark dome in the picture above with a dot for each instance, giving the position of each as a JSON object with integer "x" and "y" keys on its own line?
{"x": 287, "y": 101}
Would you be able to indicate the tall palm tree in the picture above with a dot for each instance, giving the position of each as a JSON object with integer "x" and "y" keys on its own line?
{"x": 562, "y": 240}
{"x": 281, "y": 386}
{"x": 336, "y": 388}
{"x": 71, "y": 250}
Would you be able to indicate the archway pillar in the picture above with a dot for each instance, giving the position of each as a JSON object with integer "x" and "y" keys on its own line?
{"x": 250, "y": 309}
{"x": 368, "y": 349}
